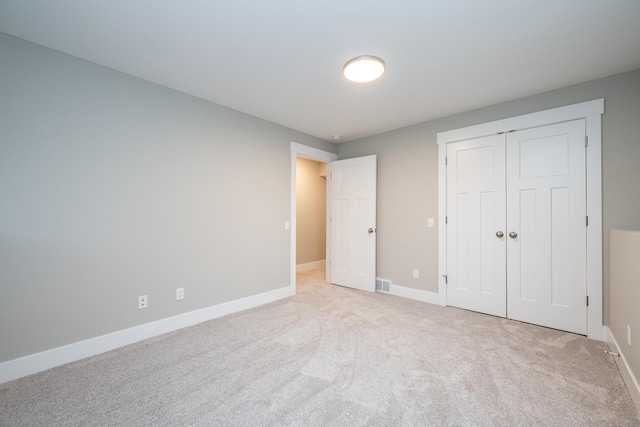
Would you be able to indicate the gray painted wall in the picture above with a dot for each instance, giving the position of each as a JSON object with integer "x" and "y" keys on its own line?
{"x": 408, "y": 181}
{"x": 112, "y": 187}
{"x": 311, "y": 212}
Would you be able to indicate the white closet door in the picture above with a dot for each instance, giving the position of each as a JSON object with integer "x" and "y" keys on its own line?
{"x": 475, "y": 218}
{"x": 546, "y": 209}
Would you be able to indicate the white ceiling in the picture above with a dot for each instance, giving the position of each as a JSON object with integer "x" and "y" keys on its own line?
{"x": 281, "y": 60}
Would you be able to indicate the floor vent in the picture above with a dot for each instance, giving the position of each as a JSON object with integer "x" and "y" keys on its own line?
{"x": 383, "y": 285}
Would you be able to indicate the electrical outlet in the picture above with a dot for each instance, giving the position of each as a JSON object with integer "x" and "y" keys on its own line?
{"x": 179, "y": 294}
{"x": 430, "y": 223}
{"x": 416, "y": 273}
{"x": 629, "y": 335}
{"x": 143, "y": 302}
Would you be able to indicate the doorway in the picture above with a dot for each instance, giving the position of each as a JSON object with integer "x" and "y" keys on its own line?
{"x": 311, "y": 215}
{"x": 310, "y": 153}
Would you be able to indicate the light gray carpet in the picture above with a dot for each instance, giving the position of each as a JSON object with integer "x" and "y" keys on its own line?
{"x": 335, "y": 356}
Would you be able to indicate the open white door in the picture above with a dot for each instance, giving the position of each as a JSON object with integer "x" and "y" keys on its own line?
{"x": 353, "y": 222}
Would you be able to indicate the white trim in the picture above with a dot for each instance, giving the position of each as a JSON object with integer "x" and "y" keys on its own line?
{"x": 526, "y": 121}
{"x": 592, "y": 112}
{"x": 314, "y": 265}
{"x": 624, "y": 368}
{"x": 39, "y": 362}
{"x": 329, "y": 178}
{"x": 595, "y": 289}
{"x": 442, "y": 227}
{"x": 299, "y": 150}
{"x": 313, "y": 153}
{"x": 414, "y": 294}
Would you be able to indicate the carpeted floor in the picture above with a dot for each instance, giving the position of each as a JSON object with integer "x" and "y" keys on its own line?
{"x": 332, "y": 356}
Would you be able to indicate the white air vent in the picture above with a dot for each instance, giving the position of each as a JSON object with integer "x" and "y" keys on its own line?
{"x": 383, "y": 285}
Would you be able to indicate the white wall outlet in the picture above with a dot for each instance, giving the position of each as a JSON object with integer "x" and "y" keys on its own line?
{"x": 179, "y": 294}
{"x": 416, "y": 273}
{"x": 287, "y": 225}
{"x": 143, "y": 302}
{"x": 431, "y": 223}
{"x": 629, "y": 335}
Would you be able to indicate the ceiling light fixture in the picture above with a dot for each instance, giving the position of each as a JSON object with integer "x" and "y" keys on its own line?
{"x": 363, "y": 69}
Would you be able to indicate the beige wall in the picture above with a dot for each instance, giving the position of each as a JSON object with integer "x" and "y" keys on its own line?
{"x": 112, "y": 187}
{"x": 311, "y": 202}
{"x": 408, "y": 182}
{"x": 625, "y": 294}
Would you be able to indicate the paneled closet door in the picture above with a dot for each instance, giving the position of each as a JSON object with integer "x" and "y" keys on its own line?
{"x": 476, "y": 225}
{"x": 546, "y": 226}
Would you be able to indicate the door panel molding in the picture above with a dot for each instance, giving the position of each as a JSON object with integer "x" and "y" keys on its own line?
{"x": 592, "y": 112}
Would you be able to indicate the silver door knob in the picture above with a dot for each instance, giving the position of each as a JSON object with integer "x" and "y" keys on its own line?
{"x": 499, "y": 234}
{"x": 513, "y": 234}
{"x": 371, "y": 230}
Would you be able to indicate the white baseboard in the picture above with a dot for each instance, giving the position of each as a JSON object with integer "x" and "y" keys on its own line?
{"x": 624, "y": 368}
{"x": 315, "y": 265}
{"x": 38, "y": 362}
{"x": 412, "y": 293}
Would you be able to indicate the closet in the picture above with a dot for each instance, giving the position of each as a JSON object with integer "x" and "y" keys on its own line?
{"x": 516, "y": 224}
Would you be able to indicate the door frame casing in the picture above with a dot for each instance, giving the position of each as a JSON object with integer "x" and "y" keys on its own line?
{"x": 592, "y": 112}
{"x": 307, "y": 152}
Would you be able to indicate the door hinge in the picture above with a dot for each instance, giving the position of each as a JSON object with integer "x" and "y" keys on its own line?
{"x": 587, "y": 300}
{"x": 446, "y": 161}
{"x": 587, "y": 217}
{"x": 586, "y": 141}
{"x": 446, "y": 220}
{"x": 446, "y": 280}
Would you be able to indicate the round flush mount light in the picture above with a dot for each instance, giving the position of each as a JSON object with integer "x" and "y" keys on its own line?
{"x": 363, "y": 69}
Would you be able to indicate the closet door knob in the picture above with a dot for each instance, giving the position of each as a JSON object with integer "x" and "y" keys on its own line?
{"x": 513, "y": 234}
{"x": 499, "y": 234}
